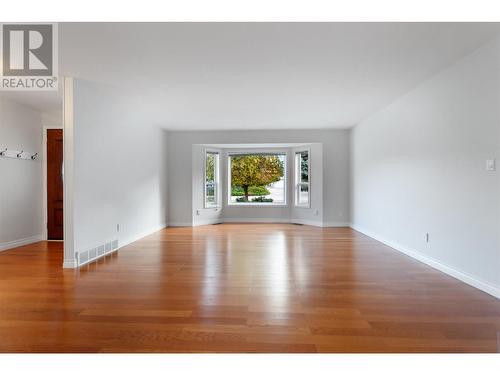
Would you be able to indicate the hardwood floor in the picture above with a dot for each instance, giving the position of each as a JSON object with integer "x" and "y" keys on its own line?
{"x": 240, "y": 288}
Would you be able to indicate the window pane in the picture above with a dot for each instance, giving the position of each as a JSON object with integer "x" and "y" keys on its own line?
{"x": 304, "y": 166}
{"x": 210, "y": 194}
{"x": 303, "y": 195}
{"x": 257, "y": 179}
{"x": 211, "y": 166}
{"x": 302, "y": 178}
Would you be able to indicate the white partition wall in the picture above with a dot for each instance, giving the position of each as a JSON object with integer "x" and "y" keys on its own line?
{"x": 116, "y": 182}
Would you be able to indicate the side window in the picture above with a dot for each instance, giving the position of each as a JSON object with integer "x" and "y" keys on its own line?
{"x": 211, "y": 179}
{"x": 302, "y": 179}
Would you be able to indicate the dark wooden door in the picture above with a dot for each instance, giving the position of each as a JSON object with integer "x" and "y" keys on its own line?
{"x": 55, "y": 184}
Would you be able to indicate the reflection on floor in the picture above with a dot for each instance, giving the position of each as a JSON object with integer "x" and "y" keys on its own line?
{"x": 240, "y": 288}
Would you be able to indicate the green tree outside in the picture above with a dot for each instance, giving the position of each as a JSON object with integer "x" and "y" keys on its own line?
{"x": 255, "y": 170}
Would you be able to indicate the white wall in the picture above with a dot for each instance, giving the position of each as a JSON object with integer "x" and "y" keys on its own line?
{"x": 119, "y": 168}
{"x": 52, "y": 118}
{"x": 21, "y": 214}
{"x": 418, "y": 166}
{"x": 335, "y": 159}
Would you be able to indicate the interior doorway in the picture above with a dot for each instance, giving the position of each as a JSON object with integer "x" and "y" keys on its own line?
{"x": 54, "y": 183}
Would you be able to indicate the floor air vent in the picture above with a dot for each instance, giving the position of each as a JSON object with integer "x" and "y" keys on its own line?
{"x": 96, "y": 252}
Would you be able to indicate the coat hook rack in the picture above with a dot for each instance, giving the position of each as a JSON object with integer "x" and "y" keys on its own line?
{"x": 13, "y": 154}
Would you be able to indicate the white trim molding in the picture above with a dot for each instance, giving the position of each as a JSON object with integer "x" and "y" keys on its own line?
{"x": 180, "y": 224}
{"x": 70, "y": 264}
{"x": 261, "y": 220}
{"x": 68, "y": 177}
{"x": 451, "y": 271}
{"x": 256, "y": 220}
{"x": 336, "y": 224}
{"x": 206, "y": 222}
{"x": 306, "y": 222}
{"x": 23, "y": 241}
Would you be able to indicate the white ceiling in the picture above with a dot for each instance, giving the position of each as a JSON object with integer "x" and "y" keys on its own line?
{"x": 263, "y": 76}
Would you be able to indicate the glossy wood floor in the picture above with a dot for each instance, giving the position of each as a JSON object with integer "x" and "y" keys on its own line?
{"x": 240, "y": 288}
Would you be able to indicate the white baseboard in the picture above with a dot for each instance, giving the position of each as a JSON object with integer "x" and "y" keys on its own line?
{"x": 180, "y": 224}
{"x": 457, "y": 274}
{"x": 70, "y": 264}
{"x": 207, "y": 222}
{"x": 306, "y": 222}
{"x": 336, "y": 224}
{"x": 260, "y": 220}
{"x": 256, "y": 220}
{"x": 21, "y": 242}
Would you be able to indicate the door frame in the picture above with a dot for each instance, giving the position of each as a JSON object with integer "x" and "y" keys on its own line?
{"x": 44, "y": 167}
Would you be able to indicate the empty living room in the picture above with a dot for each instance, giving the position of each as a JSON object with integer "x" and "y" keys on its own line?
{"x": 249, "y": 187}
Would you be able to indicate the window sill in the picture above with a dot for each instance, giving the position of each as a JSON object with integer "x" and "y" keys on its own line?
{"x": 257, "y": 205}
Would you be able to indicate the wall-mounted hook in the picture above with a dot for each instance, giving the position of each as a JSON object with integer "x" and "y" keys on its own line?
{"x": 2, "y": 153}
{"x": 33, "y": 157}
{"x": 20, "y": 154}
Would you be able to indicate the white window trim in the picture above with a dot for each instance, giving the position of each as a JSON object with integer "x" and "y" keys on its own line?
{"x": 217, "y": 179}
{"x": 297, "y": 182}
{"x": 254, "y": 152}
